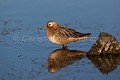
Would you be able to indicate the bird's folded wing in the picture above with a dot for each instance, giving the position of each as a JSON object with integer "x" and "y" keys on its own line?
{"x": 69, "y": 33}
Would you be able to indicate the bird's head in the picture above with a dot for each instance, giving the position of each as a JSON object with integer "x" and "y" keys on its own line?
{"x": 51, "y": 25}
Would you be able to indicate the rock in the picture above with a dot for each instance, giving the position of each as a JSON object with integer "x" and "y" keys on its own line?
{"x": 106, "y": 44}
{"x": 105, "y": 63}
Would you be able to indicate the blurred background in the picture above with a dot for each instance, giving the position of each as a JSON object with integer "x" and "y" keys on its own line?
{"x": 24, "y": 48}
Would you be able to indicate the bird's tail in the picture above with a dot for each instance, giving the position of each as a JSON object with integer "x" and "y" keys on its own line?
{"x": 84, "y": 36}
{"x": 87, "y": 35}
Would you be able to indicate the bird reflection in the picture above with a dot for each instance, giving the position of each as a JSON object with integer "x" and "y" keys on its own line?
{"x": 60, "y": 58}
{"x": 105, "y": 64}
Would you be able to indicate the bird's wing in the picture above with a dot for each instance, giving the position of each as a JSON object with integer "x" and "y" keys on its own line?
{"x": 68, "y": 32}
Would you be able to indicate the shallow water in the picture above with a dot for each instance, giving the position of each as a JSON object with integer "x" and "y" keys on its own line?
{"x": 25, "y": 50}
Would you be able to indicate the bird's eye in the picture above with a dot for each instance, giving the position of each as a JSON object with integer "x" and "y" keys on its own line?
{"x": 49, "y": 24}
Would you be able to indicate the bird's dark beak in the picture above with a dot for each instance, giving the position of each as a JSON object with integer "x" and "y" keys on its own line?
{"x": 44, "y": 27}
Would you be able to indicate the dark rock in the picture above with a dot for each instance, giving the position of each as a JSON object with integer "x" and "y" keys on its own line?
{"x": 105, "y": 63}
{"x": 106, "y": 44}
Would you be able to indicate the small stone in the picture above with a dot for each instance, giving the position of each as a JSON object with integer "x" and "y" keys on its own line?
{"x": 106, "y": 44}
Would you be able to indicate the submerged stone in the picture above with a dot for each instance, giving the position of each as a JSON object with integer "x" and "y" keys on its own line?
{"x": 106, "y": 44}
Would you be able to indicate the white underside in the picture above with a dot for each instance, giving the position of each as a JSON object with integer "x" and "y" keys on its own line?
{"x": 52, "y": 39}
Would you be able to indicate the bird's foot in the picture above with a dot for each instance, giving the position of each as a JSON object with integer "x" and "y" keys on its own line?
{"x": 64, "y": 47}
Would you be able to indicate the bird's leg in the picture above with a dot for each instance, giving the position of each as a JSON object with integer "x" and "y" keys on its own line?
{"x": 64, "y": 47}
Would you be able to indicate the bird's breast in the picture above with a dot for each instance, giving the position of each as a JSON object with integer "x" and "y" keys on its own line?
{"x": 51, "y": 37}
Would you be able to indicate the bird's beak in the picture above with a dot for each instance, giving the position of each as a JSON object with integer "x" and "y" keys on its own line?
{"x": 44, "y": 27}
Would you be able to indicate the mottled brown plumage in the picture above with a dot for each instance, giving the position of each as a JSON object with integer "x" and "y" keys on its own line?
{"x": 63, "y": 35}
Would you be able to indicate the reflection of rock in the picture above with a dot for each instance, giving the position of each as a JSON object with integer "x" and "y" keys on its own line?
{"x": 60, "y": 58}
{"x": 106, "y": 44}
{"x": 106, "y": 63}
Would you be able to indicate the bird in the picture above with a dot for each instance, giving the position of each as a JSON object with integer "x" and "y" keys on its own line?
{"x": 63, "y": 35}
{"x": 61, "y": 58}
